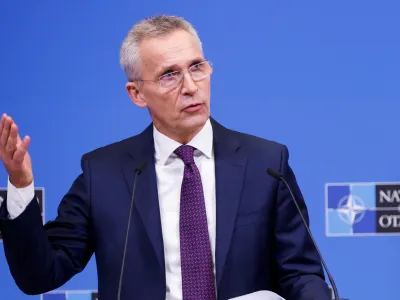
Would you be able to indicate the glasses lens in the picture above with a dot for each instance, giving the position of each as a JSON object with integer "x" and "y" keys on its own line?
{"x": 170, "y": 80}
{"x": 201, "y": 70}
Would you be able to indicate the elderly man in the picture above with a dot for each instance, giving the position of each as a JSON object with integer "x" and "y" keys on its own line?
{"x": 207, "y": 222}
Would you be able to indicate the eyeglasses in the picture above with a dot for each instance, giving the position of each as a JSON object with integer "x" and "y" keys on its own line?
{"x": 171, "y": 80}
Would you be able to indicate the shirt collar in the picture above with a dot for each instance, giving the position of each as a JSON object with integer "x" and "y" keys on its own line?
{"x": 165, "y": 146}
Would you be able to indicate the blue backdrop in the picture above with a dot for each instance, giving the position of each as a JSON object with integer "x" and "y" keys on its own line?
{"x": 321, "y": 77}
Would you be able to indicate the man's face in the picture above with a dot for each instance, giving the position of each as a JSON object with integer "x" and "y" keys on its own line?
{"x": 181, "y": 111}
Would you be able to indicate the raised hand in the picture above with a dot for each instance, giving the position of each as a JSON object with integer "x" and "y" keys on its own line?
{"x": 14, "y": 153}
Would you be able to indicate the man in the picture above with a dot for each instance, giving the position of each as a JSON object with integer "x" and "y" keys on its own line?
{"x": 207, "y": 220}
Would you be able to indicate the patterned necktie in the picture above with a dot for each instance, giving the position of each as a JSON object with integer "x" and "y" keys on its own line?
{"x": 196, "y": 260}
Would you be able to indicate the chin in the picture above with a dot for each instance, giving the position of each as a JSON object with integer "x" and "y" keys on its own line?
{"x": 195, "y": 121}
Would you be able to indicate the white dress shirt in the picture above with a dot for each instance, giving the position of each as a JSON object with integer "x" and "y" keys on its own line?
{"x": 169, "y": 172}
{"x": 18, "y": 199}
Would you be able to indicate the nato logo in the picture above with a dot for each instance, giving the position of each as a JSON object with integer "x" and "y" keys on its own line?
{"x": 39, "y": 192}
{"x": 70, "y": 295}
{"x": 362, "y": 209}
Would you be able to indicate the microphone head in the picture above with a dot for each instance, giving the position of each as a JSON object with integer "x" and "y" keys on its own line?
{"x": 275, "y": 174}
{"x": 140, "y": 167}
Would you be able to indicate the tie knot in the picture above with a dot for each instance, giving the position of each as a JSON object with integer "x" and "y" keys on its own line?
{"x": 185, "y": 153}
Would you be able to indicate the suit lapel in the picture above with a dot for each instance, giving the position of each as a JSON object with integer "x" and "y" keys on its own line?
{"x": 146, "y": 194}
{"x": 230, "y": 166}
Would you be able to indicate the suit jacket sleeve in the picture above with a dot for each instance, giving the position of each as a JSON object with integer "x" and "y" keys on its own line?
{"x": 42, "y": 258}
{"x": 299, "y": 267}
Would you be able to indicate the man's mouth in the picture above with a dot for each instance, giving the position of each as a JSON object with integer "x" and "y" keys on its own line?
{"x": 192, "y": 108}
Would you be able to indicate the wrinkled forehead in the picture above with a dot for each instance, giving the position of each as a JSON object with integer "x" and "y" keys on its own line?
{"x": 178, "y": 49}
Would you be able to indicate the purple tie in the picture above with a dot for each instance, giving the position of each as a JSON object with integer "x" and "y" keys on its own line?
{"x": 196, "y": 259}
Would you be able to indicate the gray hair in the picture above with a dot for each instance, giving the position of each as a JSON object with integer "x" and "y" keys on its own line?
{"x": 156, "y": 26}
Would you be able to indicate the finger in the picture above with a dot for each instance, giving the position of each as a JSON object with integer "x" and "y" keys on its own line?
{"x": 11, "y": 145}
{"x": 19, "y": 141}
{"x": 2, "y": 122}
{"x": 5, "y": 133}
{"x": 19, "y": 154}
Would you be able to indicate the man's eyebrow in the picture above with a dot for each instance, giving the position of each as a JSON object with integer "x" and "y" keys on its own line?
{"x": 170, "y": 68}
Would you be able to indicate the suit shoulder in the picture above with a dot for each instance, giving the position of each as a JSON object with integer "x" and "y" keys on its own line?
{"x": 255, "y": 143}
{"x": 262, "y": 152}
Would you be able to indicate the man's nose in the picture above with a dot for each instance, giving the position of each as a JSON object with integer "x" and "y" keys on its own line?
{"x": 189, "y": 86}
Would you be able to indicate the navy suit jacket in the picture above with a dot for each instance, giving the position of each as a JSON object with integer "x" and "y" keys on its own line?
{"x": 261, "y": 243}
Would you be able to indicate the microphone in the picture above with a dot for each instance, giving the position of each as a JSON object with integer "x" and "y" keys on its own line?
{"x": 279, "y": 176}
{"x": 138, "y": 171}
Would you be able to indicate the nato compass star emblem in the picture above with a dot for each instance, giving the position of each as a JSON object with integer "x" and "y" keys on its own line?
{"x": 351, "y": 209}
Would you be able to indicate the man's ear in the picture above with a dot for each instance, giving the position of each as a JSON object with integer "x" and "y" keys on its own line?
{"x": 135, "y": 93}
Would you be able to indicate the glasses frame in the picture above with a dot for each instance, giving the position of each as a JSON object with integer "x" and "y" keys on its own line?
{"x": 181, "y": 72}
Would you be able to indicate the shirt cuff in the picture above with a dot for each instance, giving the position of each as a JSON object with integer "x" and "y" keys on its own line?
{"x": 18, "y": 198}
